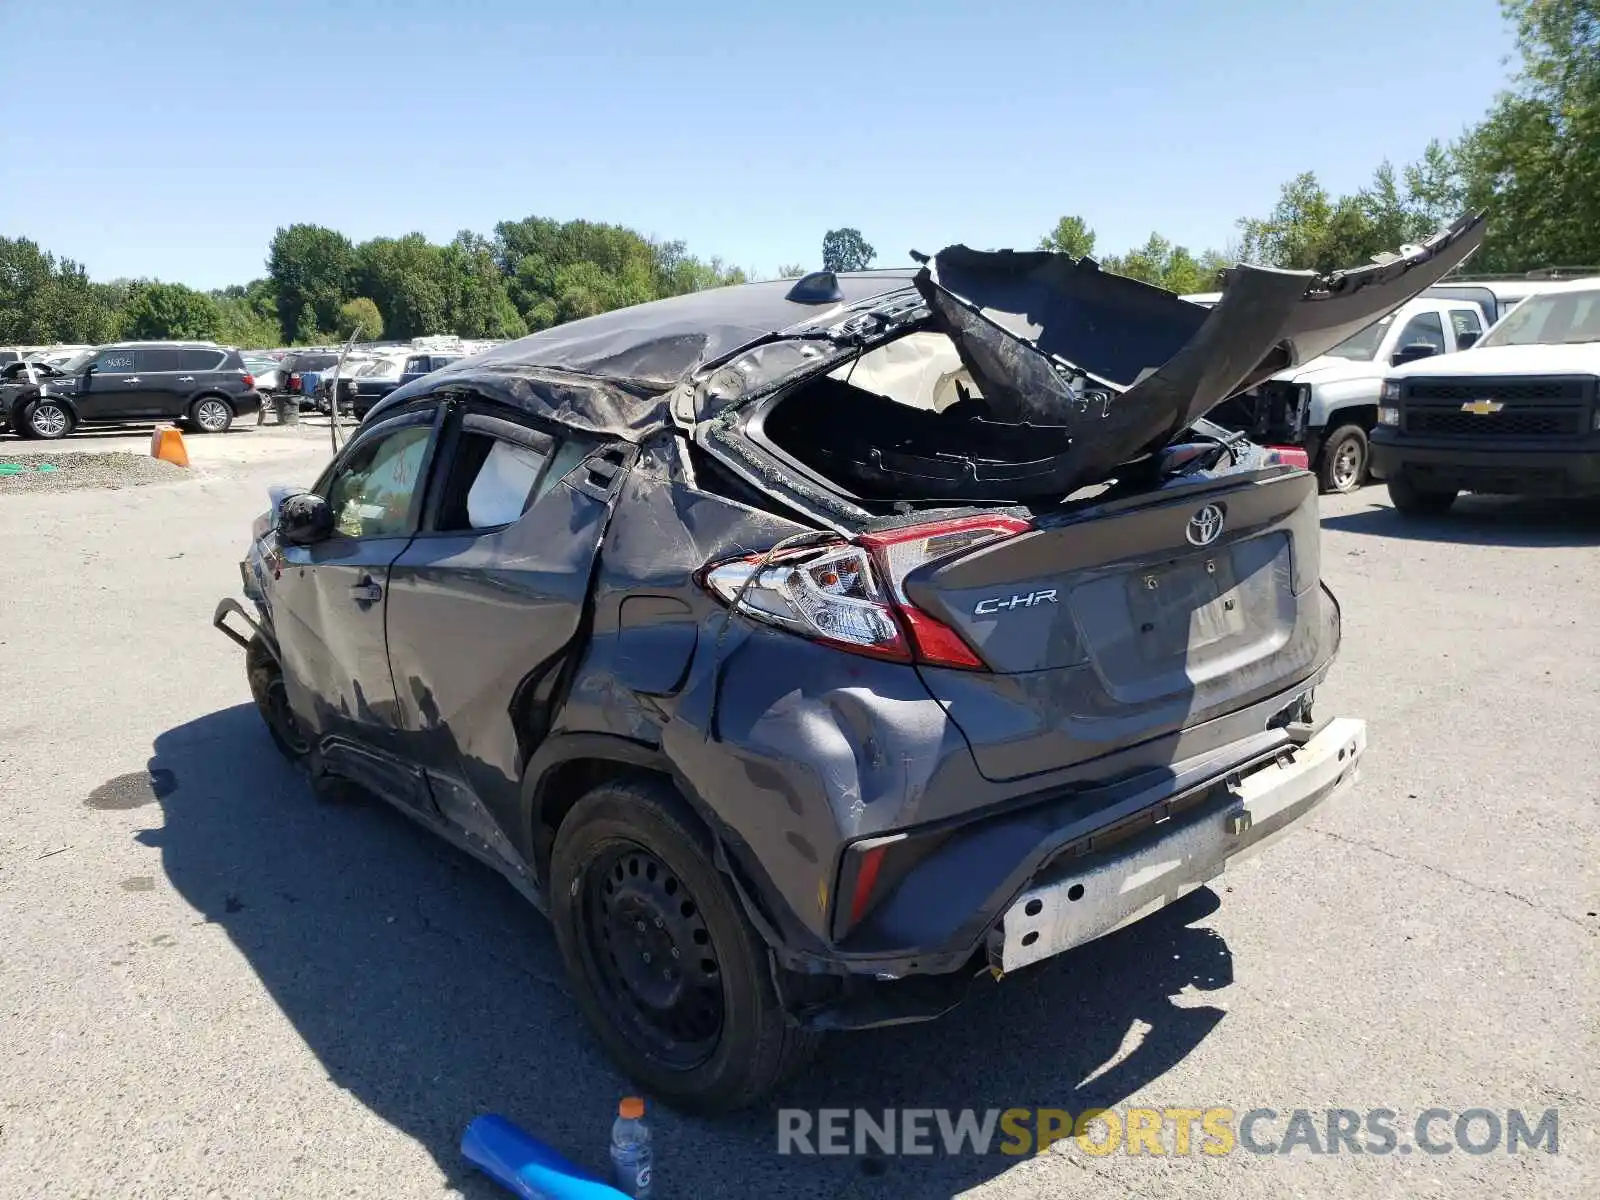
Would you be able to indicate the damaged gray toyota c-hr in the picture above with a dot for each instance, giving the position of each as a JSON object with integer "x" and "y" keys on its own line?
{"x": 808, "y": 650}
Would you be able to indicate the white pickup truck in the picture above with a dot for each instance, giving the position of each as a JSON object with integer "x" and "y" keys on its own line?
{"x": 1519, "y": 414}
{"x": 1329, "y": 405}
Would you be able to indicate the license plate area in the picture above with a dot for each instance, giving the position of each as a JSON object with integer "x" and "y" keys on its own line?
{"x": 1185, "y": 605}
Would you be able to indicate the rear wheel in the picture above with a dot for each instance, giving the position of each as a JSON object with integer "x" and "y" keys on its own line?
{"x": 1412, "y": 501}
{"x": 211, "y": 414}
{"x": 48, "y": 420}
{"x": 667, "y": 969}
{"x": 272, "y": 701}
{"x": 1342, "y": 464}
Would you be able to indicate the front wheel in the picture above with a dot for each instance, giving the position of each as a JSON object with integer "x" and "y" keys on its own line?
{"x": 1342, "y": 465}
{"x": 1409, "y": 500}
{"x": 48, "y": 420}
{"x": 211, "y": 414}
{"x": 662, "y": 960}
{"x": 272, "y": 701}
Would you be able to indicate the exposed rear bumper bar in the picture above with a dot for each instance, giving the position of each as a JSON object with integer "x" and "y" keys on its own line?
{"x": 1093, "y": 896}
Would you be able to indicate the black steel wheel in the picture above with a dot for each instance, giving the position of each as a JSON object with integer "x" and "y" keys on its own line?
{"x": 646, "y": 939}
{"x": 663, "y": 961}
{"x": 272, "y": 701}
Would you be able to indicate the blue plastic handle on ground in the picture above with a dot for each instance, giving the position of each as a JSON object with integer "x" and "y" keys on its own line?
{"x": 525, "y": 1166}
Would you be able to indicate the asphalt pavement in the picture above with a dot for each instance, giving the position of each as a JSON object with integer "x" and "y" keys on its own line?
{"x": 213, "y": 984}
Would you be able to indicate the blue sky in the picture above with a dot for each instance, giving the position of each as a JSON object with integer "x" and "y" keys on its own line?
{"x": 169, "y": 138}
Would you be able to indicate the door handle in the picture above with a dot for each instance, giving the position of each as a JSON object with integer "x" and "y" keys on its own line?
{"x": 186, "y": 379}
{"x": 366, "y": 592}
{"x": 131, "y": 379}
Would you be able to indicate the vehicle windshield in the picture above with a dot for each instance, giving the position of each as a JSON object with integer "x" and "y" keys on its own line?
{"x": 1550, "y": 319}
{"x": 77, "y": 362}
{"x": 1364, "y": 345}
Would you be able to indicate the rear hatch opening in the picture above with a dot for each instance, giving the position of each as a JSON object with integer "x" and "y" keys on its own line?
{"x": 904, "y": 423}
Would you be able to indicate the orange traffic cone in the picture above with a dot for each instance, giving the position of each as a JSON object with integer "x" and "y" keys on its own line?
{"x": 167, "y": 442}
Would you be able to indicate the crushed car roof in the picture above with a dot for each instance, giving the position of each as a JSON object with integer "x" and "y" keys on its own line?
{"x": 1051, "y": 339}
{"x": 608, "y": 373}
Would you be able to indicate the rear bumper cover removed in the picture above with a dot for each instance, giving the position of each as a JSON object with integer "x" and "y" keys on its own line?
{"x": 1093, "y": 896}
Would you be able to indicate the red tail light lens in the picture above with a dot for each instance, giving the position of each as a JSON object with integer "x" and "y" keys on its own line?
{"x": 851, "y": 595}
{"x": 249, "y": 380}
{"x": 294, "y": 381}
{"x": 1288, "y": 456}
{"x": 867, "y": 868}
{"x": 898, "y": 552}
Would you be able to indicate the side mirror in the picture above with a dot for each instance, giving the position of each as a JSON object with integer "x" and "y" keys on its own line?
{"x": 90, "y": 369}
{"x": 304, "y": 518}
{"x": 1465, "y": 341}
{"x": 1413, "y": 352}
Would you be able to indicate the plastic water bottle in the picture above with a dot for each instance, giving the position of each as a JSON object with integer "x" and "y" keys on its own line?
{"x": 630, "y": 1149}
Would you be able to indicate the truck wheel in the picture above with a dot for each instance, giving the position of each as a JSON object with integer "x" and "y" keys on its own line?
{"x": 662, "y": 961}
{"x": 48, "y": 420}
{"x": 272, "y": 701}
{"x": 1342, "y": 464}
{"x": 1411, "y": 501}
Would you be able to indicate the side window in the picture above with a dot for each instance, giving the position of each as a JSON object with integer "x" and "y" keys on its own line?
{"x": 498, "y": 470}
{"x": 372, "y": 492}
{"x": 1468, "y": 328}
{"x": 114, "y": 362}
{"x": 158, "y": 360}
{"x": 1424, "y": 327}
{"x": 416, "y": 366}
{"x": 200, "y": 360}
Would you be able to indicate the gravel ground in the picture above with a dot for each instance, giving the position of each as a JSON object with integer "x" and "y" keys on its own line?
{"x": 47, "y": 471}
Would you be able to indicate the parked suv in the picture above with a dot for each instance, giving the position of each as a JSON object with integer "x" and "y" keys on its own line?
{"x": 300, "y": 368}
{"x": 199, "y": 383}
{"x": 1517, "y": 414}
{"x": 808, "y": 649}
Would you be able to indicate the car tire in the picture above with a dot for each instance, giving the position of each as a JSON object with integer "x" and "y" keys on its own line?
{"x": 634, "y": 887}
{"x": 1342, "y": 462}
{"x": 47, "y": 420}
{"x": 1409, "y": 500}
{"x": 211, "y": 414}
{"x": 272, "y": 701}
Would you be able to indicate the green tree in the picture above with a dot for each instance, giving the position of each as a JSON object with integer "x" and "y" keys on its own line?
{"x": 479, "y": 304}
{"x": 362, "y": 318}
{"x": 1535, "y": 160}
{"x": 158, "y": 310}
{"x": 408, "y": 279}
{"x": 312, "y": 271}
{"x": 791, "y": 271}
{"x": 45, "y": 300}
{"x": 846, "y": 250}
{"x": 1071, "y": 236}
{"x": 1160, "y": 262}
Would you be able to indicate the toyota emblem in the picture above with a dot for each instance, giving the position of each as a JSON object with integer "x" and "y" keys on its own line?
{"x": 1205, "y": 526}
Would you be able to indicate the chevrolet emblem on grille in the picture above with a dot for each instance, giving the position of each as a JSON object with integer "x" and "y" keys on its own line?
{"x": 1482, "y": 407}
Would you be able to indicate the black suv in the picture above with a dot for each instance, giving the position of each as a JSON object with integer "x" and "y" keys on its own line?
{"x": 204, "y": 385}
{"x": 809, "y": 650}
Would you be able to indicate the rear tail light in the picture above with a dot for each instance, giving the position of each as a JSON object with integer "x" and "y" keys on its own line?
{"x": 874, "y": 868}
{"x": 294, "y": 381}
{"x": 249, "y": 380}
{"x": 1287, "y": 456}
{"x": 851, "y": 595}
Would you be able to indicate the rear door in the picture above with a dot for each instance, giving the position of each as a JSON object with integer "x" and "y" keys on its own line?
{"x": 158, "y": 392}
{"x": 1113, "y": 626}
{"x": 488, "y": 601}
{"x": 200, "y": 370}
